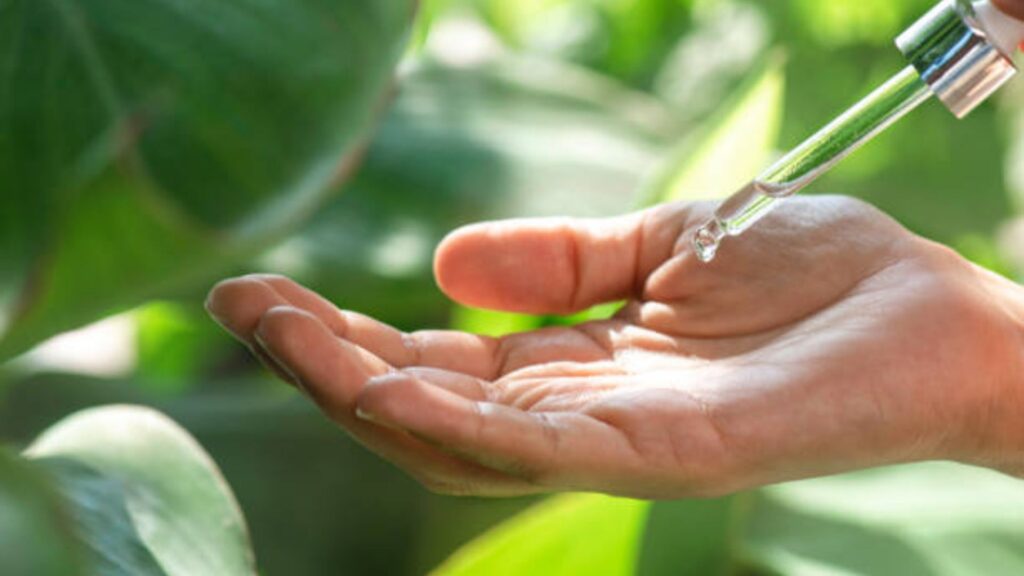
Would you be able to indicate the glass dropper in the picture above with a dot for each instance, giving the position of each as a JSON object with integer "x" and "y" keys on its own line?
{"x": 953, "y": 57}
{"x": 815, "y": 156}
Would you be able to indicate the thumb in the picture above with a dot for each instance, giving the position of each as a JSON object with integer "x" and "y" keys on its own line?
{"x": 558, "y": 266}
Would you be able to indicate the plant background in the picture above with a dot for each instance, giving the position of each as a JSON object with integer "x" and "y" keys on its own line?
{"x": 504, "y": 109}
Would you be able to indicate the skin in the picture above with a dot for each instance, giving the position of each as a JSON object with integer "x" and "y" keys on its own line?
{"x": 826, "y": 339}
{"x": 1011, "y": 7}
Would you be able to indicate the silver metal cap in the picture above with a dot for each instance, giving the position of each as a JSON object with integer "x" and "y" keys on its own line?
{"x": 954, "y": 56}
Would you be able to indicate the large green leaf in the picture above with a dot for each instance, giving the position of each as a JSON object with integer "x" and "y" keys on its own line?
{"x": 352, "y": 513}
{"x": 145, "y": 145}
{"x": 692, "y": 537}
{"x": 574, "y": 534}
{"x": 146, "y": 497}
{"x": 591, "y": 534}
{"x": 36, "y": 536}
{"x": 936, "y": 519}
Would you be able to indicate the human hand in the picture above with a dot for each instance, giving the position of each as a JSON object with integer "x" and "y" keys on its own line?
{"x": 826, "y": 339}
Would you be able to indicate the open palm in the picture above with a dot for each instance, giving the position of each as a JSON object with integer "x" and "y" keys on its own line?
{"x": 829, "y": 338}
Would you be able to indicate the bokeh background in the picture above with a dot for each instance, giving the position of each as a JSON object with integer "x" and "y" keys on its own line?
{"x": 497, "y": 109}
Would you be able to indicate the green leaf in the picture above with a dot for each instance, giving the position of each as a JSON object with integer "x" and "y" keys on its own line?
{"x": 628, "y": 39}
{"x": 146, "y": 497}
{"x": 147, "y": 146}
{"x": 531, "y": 137}
{"x": 493, "y": 323}
{"x": 100, "y": 506}
{"x": 572, "y": 534}
{"x": 596, "y": 313}
{"x": 177, "y": 346}
{"x": 691, "y": 537}
{"x": 36, "y": 536}
{"x": 591, "y": 534}
{"x": 732, "y": 147}
{"x": 935, "y": 519}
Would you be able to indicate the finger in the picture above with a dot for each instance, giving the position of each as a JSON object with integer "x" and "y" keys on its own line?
{"x": 558, "y": 266}
{"x": 301, "y": 297}
{"x": 557, "y": 450}
{"x": 476, "y": 389}
{"x": 238, "y": 305}
{"x": 471, "y": 354}
{"x": 333, "y": 371}
{"x": 478, "y": 356}
{"x": 446, "y": 350}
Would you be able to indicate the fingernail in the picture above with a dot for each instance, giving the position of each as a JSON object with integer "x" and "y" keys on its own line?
{"x": 213, "y": 314}
{"x": 210, "y": 306}
{"x": 376, "y": 420}
{"x": 364, "y": 415}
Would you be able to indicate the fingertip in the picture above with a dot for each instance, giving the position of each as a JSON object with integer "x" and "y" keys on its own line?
{"x": 237, "y": 304}
{"x": 220, "y": 297}
{"x": 515, "y": 266}
{"x": 453, "y": 259}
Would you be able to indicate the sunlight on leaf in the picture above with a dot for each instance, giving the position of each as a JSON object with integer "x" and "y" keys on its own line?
{"x": 491, "y": 322}
{"x": 591, "y": 534}
{"x": 572, "y": 534}
{"x": 733, "y": 147}
{"x": 145, "y": 494}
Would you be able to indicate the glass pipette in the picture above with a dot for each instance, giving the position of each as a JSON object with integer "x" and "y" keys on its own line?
{"x": 958, "y": 52}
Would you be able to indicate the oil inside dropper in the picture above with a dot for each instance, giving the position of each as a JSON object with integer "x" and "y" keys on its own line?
{"x": 815, "y": 156}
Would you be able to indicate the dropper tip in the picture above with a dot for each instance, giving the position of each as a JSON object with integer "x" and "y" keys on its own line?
{"x": 707, "y": 239}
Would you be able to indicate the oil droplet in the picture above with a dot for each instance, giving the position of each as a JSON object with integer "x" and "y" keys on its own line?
{"x": 707, "y": 240}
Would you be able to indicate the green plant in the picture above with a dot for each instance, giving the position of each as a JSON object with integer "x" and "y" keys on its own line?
{"x": 149, "y": 147}
{"x": 935, "y": 519}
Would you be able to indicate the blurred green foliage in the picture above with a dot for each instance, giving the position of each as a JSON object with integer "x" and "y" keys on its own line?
{"x": 148, "y": 147}
{"x": 937, "y": 519}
